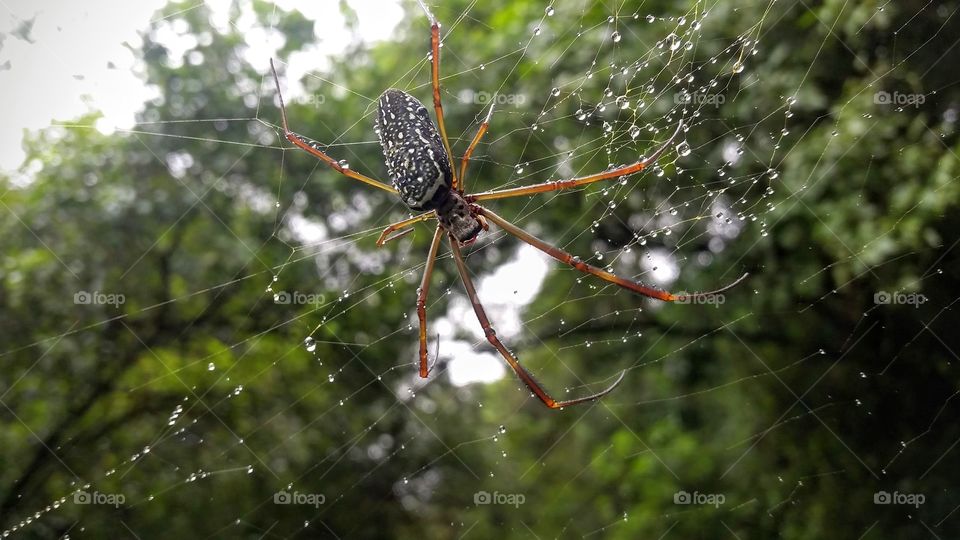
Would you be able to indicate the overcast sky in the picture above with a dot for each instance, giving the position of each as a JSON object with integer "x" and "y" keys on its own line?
{"x": 60, "y": 60}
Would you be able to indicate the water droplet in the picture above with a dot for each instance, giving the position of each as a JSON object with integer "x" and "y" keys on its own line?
{"x": 674, "y": 41}
{"x": 550, "y": 11}
{"x": 651, "y": 19}
{"x": 555, "y": 92}
{"x": 738, "y": 67}
{"x": 211, "y": 366}
{"x": 683, "y": 148}
{"x": 616, "y": 37}
{"x": 343, "y": 163}
{"x": 310, "y": 344}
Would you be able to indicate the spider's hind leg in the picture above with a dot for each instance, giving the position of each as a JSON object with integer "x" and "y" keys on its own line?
{"x": 313, "y": 147}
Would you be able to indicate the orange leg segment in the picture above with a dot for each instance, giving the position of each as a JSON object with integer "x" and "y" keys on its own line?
{"x": 575, "y": 262}
{"x": 510, "y": 358}
{"x": 581, "y": 181}
{"x": 313, "y": 147}
{"x": 422, "y": 300}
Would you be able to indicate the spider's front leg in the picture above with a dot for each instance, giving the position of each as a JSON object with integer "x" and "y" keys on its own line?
{"x": 609, "y": 277}
{"x": 422, "y": 300}
{"x": 511, "y": 358}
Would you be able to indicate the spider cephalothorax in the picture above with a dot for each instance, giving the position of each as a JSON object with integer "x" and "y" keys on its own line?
{"x": 421, "y": 168}
{"x": 418, "y": 164}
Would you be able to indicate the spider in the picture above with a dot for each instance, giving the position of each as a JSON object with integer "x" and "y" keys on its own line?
{"x": 421, "y": 166}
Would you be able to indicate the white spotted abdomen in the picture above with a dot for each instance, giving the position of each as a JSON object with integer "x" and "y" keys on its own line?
{"x": 416, "y": 161}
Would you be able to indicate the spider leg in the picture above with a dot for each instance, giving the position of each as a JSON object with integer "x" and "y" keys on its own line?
{"x": 575, "y": 262}
{"x": 422, "y": 301}
{"x": 473, "y": 144}
{"x": 385, "y": 235}
{"x": 313, "y": 147}
{"x": 556, "y": 185}
{"x": 511, "y": 358}
{"x": 435, "y": 75}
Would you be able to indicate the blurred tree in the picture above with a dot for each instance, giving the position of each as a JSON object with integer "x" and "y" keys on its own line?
{"x": 791, "y": 400}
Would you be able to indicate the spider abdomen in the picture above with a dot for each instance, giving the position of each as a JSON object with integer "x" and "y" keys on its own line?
{"x": 416, "y": 160}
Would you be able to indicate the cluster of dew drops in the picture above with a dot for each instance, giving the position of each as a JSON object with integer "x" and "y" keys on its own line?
{"x": 672, "y": 42}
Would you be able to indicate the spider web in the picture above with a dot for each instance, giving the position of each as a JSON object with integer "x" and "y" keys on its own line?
{"x": 358, "y": 426}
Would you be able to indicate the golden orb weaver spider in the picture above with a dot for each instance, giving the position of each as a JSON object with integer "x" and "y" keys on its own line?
{"x": 420, "y": 163}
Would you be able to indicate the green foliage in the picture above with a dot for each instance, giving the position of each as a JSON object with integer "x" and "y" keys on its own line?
{"x": 791, "y": 399}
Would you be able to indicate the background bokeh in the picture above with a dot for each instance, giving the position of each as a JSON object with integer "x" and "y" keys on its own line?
{"x": 816, "y": 401}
